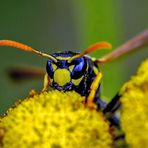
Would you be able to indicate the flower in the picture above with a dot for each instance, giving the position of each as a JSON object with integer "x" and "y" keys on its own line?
{"x": 57, "y": 120}
{"x": 134, "y": 108}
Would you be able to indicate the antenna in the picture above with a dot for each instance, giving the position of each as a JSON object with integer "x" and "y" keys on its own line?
{"x": 24, "y": 47}
{"x": 94, "y": 47}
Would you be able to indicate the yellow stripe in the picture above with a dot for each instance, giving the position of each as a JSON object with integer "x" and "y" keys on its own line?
{"x": 71, "y": 67}
{"x": 62, "y": 58}
{"x": 95, "y": 70}
{"x": 77, "y": 81}
{"x": 54, "y": 66}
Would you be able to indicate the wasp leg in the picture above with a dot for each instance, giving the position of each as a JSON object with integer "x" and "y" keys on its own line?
{"x": 46, "y": 82}
{"x": 114, "y": 121}
{"x": 111, "y": 108}
{"x": 100, "y": 104}
{"x": 113, "y": 105}
{"x": 93, "y": 88}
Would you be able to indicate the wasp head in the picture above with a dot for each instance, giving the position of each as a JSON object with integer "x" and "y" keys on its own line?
{"x": 65, "y": 75}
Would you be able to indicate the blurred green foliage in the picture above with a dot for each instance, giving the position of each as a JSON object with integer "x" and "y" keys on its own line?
{"x": 53, "y": 25}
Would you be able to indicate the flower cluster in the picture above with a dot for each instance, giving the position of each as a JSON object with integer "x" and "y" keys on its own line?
{"x": 134, "y": 108}
{"x": 57, "y": 120}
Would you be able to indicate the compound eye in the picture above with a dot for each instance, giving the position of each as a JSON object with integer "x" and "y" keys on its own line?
{"x": 79, "y": 68}
{"x": 49, "y": 68}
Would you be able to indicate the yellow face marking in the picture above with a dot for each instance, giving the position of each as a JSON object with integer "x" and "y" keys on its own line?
{"x": 71, "y": 67}
{"x": 62, "y": 76}
{"x": 62, "y": 58}
{"x": 77, "y": 81}
{"x": 54, "y": 66}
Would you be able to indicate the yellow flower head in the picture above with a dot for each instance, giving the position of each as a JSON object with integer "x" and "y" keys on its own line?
{"x": 54, "y": 120}
{"x": 134, "y": 113}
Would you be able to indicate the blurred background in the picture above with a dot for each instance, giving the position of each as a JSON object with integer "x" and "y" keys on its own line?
{"x": 59, "y": 25}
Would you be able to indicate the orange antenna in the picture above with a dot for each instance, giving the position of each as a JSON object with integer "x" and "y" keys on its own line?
{"x": 24, "y": 48}
{"x": 96, "y": 46}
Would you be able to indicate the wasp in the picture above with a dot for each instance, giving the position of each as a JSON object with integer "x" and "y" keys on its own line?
{"x": 67, "y": 71}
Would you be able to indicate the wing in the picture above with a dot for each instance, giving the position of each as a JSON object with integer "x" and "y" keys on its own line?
{"x": 130, "y": 46}
{"x": 20, "y": 73}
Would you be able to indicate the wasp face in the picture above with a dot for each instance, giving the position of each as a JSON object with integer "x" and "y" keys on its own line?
{"x": 64, "y": 75}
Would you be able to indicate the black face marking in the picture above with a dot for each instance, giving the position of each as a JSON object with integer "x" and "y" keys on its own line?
{"x": 62, "y": 64}
{"x": 49, "y": 68}
{"x": 64, "y": 54}
{"x": 66, "y": 87}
